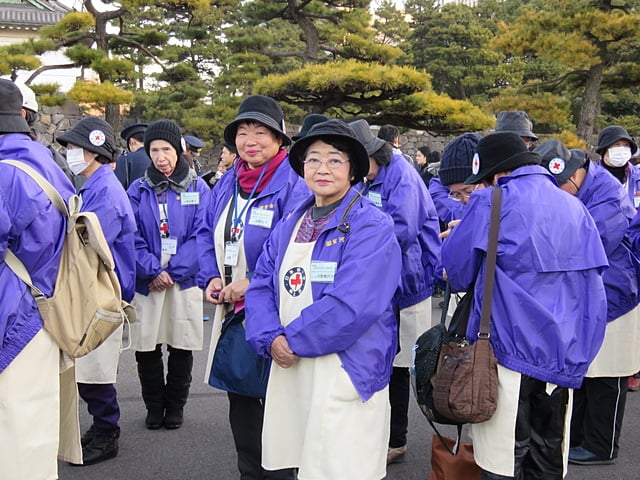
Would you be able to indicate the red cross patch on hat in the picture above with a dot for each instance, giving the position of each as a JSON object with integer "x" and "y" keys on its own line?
{"x": 557, "y": 166}
{"x": 295, "y": 280}
{"x": 475, "y": 164}
{"x": 97, "y": 138}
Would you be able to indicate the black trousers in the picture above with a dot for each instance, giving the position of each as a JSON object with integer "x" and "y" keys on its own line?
{"x": 399, "y": 392}
{"x": 598, "y": 411}
{"x": 246, "y": 416}
{"x": 539, "y": 433}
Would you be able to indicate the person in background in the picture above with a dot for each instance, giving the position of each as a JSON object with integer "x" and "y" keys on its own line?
{"x": 34, "y": 230}
{"x": 91, "y": 152}
{"x": 193, "y": 151}
{"x": 248, "y": 202}
{"x": 169, "y": 203}
{"x": 228, "y": 157}
{"x": 308, "y": 122}
{"x": 391, "y": 134}
{"x": 396, "y": 188}
{"x": 517, "y": 122}
{"x": 131, "y": 166}
{"x": 449, "y": 192}
{"x": 319, "y": 305}
{"x": 544, "y": 343}
{"x": 422, "y": 164}
{"x": 615, "y": 147}
{"x": 599, "y": 404}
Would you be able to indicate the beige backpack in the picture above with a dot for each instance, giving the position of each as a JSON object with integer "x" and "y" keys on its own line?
{"x": 86, "y": 306}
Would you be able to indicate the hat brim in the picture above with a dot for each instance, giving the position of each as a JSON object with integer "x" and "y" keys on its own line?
{"x": 360, "y": 162}
{"x": 514, "y": 161}
{"x": 13, "y": 123}
{"x": 634, "y": 146}
{"x": 231, "y": 129}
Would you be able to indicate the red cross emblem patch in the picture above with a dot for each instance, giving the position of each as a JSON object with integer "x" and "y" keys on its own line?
{"x": 295, "y": 280}
{"x": 557, "y": 166}
{"x": 475, "y": 164}
{"x": 97, "y": 138}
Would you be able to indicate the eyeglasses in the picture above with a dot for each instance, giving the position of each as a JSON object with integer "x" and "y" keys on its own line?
{"x": 332, "y": 163}
{"x": 459, "y": 196}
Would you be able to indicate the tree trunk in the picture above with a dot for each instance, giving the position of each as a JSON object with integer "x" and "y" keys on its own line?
{"x": 590, "y": 103}
{"x": 112, "y": 115}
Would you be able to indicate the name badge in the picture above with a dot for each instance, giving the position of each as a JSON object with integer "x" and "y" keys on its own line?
{"x": 169, "y": 245}
{"x": 376, "y": 198}
{"x": 190, "y": 198}
{"x": 323, "y": 272}
{"x": 231, "y": 253}
{"x": 261, "y": 218}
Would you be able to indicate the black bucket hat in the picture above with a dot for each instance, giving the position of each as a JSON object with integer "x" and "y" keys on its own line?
{"x": 517, "y": 122}
{"x": 610, "y": 135}
{"x": 363, "y": 133}
{"x": 11, "y": 119}
{"x": 559, "y": 160}
{"x": 94, "y": 135}
{"x": 262, "y": 109}
{"x": 308, "y": 122}
{"x": 499, "y": 152}
{"x": 358, "y": 156}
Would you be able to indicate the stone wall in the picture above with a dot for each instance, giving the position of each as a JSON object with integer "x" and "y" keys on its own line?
{"x": 54, "y": 121}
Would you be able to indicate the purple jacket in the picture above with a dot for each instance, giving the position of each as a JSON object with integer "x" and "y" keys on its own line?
{"x": 103, "y": 194}
{"x": 352, "y": 316}
{"x": 184, "y": 223}
{"x": 447, "y": 209}
{"x": 285, "y": 190}
{"x": 406, "y": 200}
{"x": 610, "y": 207}
{"x": 33, "y": 228}
{"x": 549, "y": 304}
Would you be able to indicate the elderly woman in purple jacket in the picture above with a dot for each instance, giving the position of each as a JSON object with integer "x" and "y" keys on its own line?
{"x": 397, "y": 189}
{"x": 319, "y": 305}
{"x": 249, "y": 201}
{"x": 34, "y": 230}
{"x": 599, "y": 404}
{"x": 169, "y": 204}
{"x": 91, "y": 151}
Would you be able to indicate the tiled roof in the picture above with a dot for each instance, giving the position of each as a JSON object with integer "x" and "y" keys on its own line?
{"x": 30, "y": 15}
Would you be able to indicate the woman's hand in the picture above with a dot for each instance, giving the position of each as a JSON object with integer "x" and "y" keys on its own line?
{"x": 281, "y": 353}
{"x": 161, "y": 282}
{"x": 234, "y": 292}
{"x": 450, "y": 227}
{"x": 212, "y": 292}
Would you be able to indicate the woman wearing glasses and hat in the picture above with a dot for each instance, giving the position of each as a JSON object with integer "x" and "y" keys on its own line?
{"x": 249, "y": 201}
{"x": 319, "y": 305}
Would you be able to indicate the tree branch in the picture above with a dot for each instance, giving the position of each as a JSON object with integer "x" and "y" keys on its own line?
{"x": 136, "y": 44}
{"x": 555, "y": 82}
{"x": 48, "y": 67}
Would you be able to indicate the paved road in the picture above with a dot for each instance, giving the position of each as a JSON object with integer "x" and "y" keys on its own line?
{"x": 203, "y": 447}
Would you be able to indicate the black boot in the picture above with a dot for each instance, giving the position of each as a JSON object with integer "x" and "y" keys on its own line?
{"x": 99, "y": 449}
{"x": 176, "y": 391}
{"x": 151, "y": 373}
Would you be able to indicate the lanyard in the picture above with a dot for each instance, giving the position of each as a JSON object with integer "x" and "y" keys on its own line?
{"x": 237, "y": 218}
{"x": 164, "y": 220}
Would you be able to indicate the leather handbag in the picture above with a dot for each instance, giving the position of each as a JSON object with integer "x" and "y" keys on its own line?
{"x": 445, "y": 466}
{"x": 466, "y": 384}
{"x": 236, "y": 367}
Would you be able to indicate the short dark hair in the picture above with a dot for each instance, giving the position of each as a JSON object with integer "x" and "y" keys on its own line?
{"x": 138, "y": 136}
{"x": 388, "y": 133}
{"x": 231, "y": 148}
{"x": 433, "y": 157}
{"x": 343, "y": 146}
{"x": 383, "y": 155}
{"x": 425, "y": 150}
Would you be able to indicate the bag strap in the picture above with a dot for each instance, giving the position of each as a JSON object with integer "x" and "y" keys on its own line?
{"x": 490, "y": 270}
{"x": 445, "y": 305}
{"x": 456, "y": 447}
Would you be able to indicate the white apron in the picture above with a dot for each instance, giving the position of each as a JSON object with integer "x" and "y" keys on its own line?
{"x": 619, "y": 355}
{"x": 101, "y": 365}
{"x": 414, "y": 321}
{"x": 30, "y": 413}
{"x": 172, "y": 316}
{"x": 237, "y": 273}
{"x": 314, "y": 418}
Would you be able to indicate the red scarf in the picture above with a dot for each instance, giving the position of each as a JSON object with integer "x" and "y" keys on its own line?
{"x": 248, "y": 177}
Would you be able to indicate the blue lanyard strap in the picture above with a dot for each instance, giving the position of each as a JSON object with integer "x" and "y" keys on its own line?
{"x": 237, "y": 218}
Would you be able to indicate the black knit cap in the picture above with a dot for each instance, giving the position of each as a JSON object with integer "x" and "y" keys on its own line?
{"x": 358, "y": 156}
{"x": 94, "y": 135}
{"x": 308, "y": 122}
{"x": 499, "y": 152}
{"x": 261, "y": 109}
{"x": 455, "y": 163}
{"x": 11, "y": 119}
{"x": 164, "y": 130}
{"x": 559, "y": 160}
{"x": 610, "y": 135}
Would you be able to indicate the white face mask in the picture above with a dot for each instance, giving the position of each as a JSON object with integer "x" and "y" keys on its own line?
{"x": 618, "y": 156}
{"x": 75, "y": 160}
